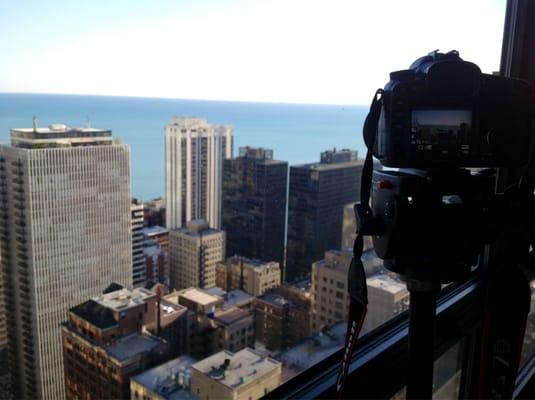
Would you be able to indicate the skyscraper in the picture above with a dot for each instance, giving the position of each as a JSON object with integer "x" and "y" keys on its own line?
{"x": 317, "y": 196}
{"x": 254, "y": 204}
{"x": 194, "y": 252}
{"x": 138, "y": 259}
{"x": 194, "y": 153}
{"x": 65, "y": 234}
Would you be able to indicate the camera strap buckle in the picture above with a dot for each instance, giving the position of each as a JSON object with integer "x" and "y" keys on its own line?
{"x": 367, "y": 224}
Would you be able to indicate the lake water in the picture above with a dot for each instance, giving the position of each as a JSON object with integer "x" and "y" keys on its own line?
{"x": 297, "y": 133}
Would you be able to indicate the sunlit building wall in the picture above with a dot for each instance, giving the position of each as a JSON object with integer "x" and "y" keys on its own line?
{"x": 65, "y": 235}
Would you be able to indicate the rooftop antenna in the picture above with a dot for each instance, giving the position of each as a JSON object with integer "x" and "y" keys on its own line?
{"x": 34, "y": 123}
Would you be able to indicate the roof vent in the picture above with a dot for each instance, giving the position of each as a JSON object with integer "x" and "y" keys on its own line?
{"x": 58, "y": 127}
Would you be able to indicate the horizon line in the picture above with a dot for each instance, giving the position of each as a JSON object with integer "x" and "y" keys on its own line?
{"x": 187, "y": 99}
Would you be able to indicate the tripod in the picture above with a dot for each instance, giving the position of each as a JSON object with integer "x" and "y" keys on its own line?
{"x": 505, "y": 277}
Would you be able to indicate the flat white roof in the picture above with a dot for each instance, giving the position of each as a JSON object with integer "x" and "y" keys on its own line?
{"x": 198, "y": 296}
{"x": 170, "y": 379}
{"x": 58, "y": 128}
{"x": 386, "y": 283}
{"x": 124, "y": 298}
{"x": 244, "y": 366}
{"x": 154, "y": 230}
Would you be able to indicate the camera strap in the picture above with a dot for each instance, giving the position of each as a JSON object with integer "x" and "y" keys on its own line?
{"x": 358, "y": 293}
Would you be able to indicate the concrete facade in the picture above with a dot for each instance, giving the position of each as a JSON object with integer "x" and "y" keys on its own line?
{"x": 194, "y": 254}
{"x": 138, "y": 260}
{"x": 65, "y": 235}
{"x": 329, "y": 296}
{"x": 194, "y": 153}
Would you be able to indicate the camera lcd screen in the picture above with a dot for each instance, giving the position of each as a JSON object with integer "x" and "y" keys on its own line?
{"x": 440, "y": 128}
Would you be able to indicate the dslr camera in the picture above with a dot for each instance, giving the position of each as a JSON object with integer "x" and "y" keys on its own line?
{"x": 443, "y": 125}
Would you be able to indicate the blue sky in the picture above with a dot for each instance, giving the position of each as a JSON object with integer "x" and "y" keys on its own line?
{"x": 335, "y": 51}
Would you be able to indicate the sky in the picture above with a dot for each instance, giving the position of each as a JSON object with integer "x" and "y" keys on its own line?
{"x": 298, "y": 51}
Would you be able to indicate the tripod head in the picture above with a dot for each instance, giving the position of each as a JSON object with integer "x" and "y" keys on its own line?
{"x": 434, "y": 222}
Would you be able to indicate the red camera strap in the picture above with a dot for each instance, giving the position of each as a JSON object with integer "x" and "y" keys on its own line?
{"x": 358, "y": 296}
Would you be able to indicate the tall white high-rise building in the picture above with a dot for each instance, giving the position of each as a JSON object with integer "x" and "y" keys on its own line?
{"x": 65, "y": 234}
{"x": 194, "y": 153}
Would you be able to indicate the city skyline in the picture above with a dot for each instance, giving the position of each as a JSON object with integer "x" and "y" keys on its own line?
{"x": 142, "y": 258}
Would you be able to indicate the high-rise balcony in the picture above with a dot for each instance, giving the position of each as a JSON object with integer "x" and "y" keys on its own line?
{"x": 21, "y": 239}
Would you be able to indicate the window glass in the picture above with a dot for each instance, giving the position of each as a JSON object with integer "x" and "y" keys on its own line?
{"x": 245, "y": 114}
{"x": 446, "y": 374}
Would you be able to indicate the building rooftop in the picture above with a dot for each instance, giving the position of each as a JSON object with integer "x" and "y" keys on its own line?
{"x": 237, "y": 298}
{"x": 197, "y": 228}
{"x": 303, "y": 284}
{"x": 236, "y": 369}
{"x": 194, "y": 124}
{"x": 189, "y": 121}
{"x": 231, "y": 315}
{"x": 199, "y": 296}
{"x": 336, "y": 156}
{"x": 58, "y": 135}
{"x": 251, "y": 262}
{"x": 312, "y": 350}
{"x": 258, "y": 153}
{"x": 170, "y": 380}
{"x": 61, "y": 130}
{"x": 170, "y": 308}
{"x": 215, "y": 291}
{"x": 329, "y": 166}
{"x": 386, "y": 283}
{"x": 94, "y": 313}
{"x": 131, "y": 346}
{"x": 273, "y": 162}
{"x": 154, "y": 230}
{"x": 338, "y": 260}
{"x": 123, "y": 299}
{"x": 274, "y": 299}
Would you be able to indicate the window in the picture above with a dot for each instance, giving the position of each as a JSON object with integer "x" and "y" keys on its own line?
{"x": 311, "y": 195}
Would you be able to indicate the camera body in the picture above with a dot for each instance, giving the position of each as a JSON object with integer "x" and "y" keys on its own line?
{"x": 443, "y": 112}
{"x": 430, "y": 219}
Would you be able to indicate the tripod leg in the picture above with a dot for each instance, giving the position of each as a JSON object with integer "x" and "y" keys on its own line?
{"x": 504, "y": 323}
{"x": 421, "y": 340}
